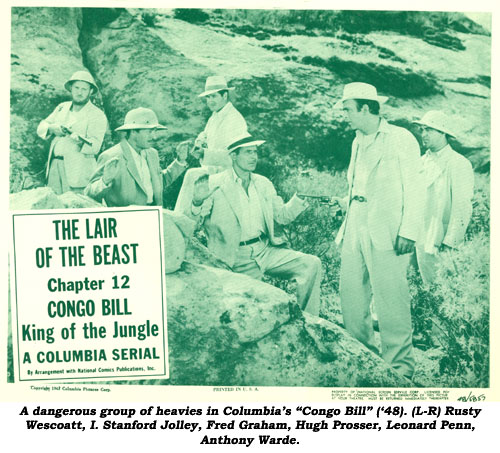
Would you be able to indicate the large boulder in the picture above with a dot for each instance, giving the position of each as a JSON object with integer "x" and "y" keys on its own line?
{"x": 229, "y": 329}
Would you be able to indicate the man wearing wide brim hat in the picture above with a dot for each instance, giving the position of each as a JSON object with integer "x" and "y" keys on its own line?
{"x": 77, "y": 129}
{"x": 381, "y": 225}
{"x": 238, "y": 208}
{"x": 129, "y": 173}
{"x": 360, "y": 90}
{"x": 449, "y": 181}
{"x": 223, "y": 127}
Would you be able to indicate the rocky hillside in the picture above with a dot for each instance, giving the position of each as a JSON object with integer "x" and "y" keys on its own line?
{"x": 229, "y": 329}
{"x": 288, "y": 68}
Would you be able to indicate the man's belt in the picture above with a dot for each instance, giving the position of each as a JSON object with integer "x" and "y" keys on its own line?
{"x": 253, "y": 241}
{"x": 58, "y": 157}
{"x": 359, "y": 198}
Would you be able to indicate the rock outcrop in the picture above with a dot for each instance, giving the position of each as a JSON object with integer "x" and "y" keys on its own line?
{"x": 229, "y": 329}
{"x": 44, "y": 54}
{"x": 288, "y": 69}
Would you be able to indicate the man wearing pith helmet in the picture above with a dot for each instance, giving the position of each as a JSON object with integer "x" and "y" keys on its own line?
{"x": 449, "y": 181}
{"x": 129, "y": 173}
{"x": 223, "y": 127}
{"x": 77, "y": 129}
{"x": 382, "y": 223}
{"x": 238, "y": 209}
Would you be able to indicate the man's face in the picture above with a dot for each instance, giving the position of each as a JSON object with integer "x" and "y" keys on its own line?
{"x": 245, "y": 158}
{"x": 80, "y": 92}
{"x": 432, "y": 138}
{"x": 143, "y": 138}
{"x": 216, "y": 101}
{"x": 355, "y": 118}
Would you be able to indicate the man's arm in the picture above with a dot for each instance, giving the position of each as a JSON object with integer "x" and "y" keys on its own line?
{"x": 102, "y": 179}
{"x": 44, "y": 129}
{"x": 412, "y": 189}
{"x": 97, "y": 125}
{"x": 462, "y": 190}
{"x": 172, "y": 172}
{"x": 285, "y": 213}
{"x": 178, "y": 166}
{"x": 200, "y": 204}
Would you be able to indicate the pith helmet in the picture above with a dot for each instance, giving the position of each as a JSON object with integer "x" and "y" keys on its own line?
{"x": 438, "y": 120}
{"x": 140, "y": 118}
{"x": 81, "y": 76}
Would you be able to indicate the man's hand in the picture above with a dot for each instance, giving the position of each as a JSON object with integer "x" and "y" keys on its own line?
{"x": 181, "y": 152}
{"x": 202, "y": 190}
{"x": 200, "y": 145}
{"x": 403, "y": 245}
{"x": 445, "y": 248}
{"x": 57, "y": 130}
{"x": 110, "y": 171}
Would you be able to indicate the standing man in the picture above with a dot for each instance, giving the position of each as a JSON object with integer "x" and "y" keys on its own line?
{"x": 129, "y": 173}
{"x": 77, "y": 129}
{"x": 449, "y": 181}
{"x": 223, "y": 127}
{"x": 238, "y": 209}
{"x": 382, "y": 222}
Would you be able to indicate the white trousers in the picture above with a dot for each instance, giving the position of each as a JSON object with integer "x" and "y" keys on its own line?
{"x": 57, "y": 179}
{"x": 261, "y": 258}
{"x": 366, "y": 271}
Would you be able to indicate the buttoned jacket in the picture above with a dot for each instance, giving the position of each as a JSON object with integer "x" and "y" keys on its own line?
{"x": 221, "y": 213}
{"x": 449, "y": 191}
{"x": 222, "y": 129}
{"x": 394, "y": 187}
{"x": 79, "y": 158}
{"x": 127, "y": 188}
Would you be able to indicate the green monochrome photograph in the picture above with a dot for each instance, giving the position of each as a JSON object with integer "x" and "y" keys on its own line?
{"x": 324, "y": 177}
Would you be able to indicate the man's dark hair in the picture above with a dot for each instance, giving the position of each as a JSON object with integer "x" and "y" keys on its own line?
{"x": 373, "y": 106}
{"x": 224, "y": 91}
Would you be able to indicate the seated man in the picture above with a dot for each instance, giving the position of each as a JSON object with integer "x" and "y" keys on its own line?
{"x": 77, "y": 129}
{"x": 238, "y": 209}
{"x": 449, "y": 180}
{"x": 129, "y": 173}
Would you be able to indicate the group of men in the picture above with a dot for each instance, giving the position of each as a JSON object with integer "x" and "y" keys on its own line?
{"x": 398, "y": 202}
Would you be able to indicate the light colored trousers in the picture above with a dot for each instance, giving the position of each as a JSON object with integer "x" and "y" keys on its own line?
{"x": 57, "y": 179}
{"x": 366, "y": 271}
{"x": 261, "y": 258}
{"x": 427, "y": 265}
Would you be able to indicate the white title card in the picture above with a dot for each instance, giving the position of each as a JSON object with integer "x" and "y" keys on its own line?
{"x": 88, "y": 292}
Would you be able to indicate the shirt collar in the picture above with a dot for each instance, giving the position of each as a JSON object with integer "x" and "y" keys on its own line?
{"x": 383, "y": 128}
{"x": 236, "y": 178}
{"x": 439, "y": 154}
{"x": 135, "y": 154}
{"x": 223, "y": 110}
